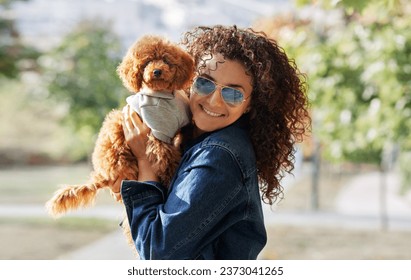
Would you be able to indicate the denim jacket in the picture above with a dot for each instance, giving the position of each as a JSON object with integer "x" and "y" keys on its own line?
{"x": 212, "y": 209}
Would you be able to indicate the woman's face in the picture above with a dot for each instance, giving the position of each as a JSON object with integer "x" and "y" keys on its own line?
{"x": 211, "y": 112}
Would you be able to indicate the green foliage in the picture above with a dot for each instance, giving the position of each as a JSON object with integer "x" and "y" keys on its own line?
{"x": 405, "y": 169}
{"x": 14, "y": 56}
{"x": 7, "y": 3}
{"x": 29, "y": 128}
{"x": 81, "y": 73}
{"x": 352, "y": 6}
{"x": 359, "y": 76}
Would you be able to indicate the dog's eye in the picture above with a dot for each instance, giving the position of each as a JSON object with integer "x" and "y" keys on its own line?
{"x": 166, "y": 61}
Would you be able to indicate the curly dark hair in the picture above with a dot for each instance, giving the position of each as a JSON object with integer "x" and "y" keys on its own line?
{"x": 279, "y": 114}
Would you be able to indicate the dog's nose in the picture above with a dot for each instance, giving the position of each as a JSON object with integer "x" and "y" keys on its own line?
{"x": 157, "y": 73}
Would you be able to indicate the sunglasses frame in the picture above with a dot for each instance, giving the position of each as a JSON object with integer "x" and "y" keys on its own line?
{"x": 222, "y": 87}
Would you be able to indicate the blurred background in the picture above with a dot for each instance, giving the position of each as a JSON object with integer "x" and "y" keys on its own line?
{"x": 349, "y": 197}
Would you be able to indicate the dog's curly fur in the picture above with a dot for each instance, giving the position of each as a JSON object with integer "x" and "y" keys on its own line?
{"x": 112, "y": 158}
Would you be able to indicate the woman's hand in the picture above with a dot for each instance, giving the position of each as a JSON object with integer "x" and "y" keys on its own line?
{"x": 136, "y": 134}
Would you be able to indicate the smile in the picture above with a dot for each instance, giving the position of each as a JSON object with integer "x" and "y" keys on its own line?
{"x": 212, "y": 114}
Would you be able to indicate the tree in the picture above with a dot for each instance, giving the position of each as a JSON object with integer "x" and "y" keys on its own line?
{"x": 12, "y": 52}
{"x": 358, "y": 63}
{"x": 81, "y": 75}
{"x": 353, "y": 6}
{"x": 358, "y": 71}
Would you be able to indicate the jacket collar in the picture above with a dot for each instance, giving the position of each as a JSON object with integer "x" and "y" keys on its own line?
{"x": 242, "y": 122}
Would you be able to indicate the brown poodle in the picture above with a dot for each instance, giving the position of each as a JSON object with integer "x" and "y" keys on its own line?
{"x": 155, "y": 70}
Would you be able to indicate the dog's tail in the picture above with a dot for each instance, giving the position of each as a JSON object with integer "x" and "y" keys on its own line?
{"x": 72, "y": 197}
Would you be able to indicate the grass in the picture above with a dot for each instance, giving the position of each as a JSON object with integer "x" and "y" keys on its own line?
{"x": 41, "y": 238}
{"x": 320, "y": 243}
{"x": 68, "y": 223}
{"x": 326, "y": 243}
{"x": 37, "y": 184}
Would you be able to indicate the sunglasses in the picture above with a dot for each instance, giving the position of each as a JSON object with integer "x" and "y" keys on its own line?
{"x": 231, "y": 96}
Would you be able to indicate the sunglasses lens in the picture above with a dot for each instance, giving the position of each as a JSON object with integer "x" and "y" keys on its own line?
{"x": 203, "y": 86}
{"x": 232, "y": 96}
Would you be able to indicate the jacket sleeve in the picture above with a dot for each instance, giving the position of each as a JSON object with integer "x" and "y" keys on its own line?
{"x": 178, "y": 225}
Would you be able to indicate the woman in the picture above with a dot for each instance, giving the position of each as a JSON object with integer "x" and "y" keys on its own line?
{"x": 248, "y": 109}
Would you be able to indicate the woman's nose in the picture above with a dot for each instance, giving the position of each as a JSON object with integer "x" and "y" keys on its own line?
{"x": 215, "y": 98}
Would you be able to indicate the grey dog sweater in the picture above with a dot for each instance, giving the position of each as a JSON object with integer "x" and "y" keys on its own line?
{"x": 163, "y": 113}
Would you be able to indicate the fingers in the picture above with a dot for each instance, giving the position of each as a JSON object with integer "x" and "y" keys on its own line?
{"x": 127, "y": 124}
{"x": 135, "y": 119}
{"x": 132, "y": 120}
{"x": 117, "y": 184}
{"x": 135, "y": 132}
{"x": 116, "y": 189}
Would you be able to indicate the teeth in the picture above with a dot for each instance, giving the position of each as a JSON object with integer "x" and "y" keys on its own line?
{"x": 212, "y": 113}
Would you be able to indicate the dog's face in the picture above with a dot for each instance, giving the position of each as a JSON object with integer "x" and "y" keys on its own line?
{"x": 156, "y": 63}
{"x": 160, "y": 71}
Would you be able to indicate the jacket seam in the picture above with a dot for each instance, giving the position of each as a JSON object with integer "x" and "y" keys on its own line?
{"x": 233, "y": 154}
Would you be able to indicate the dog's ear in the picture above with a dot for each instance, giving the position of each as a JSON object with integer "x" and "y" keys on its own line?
{"x": 185, "y": 69}
{"x": 129, "y": 71}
